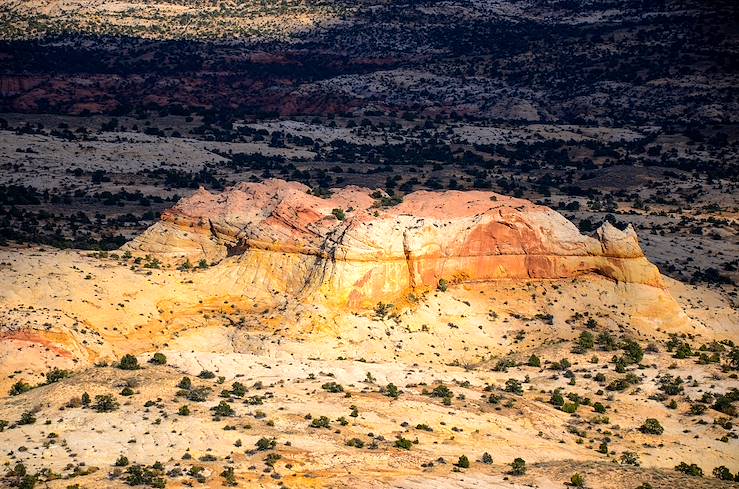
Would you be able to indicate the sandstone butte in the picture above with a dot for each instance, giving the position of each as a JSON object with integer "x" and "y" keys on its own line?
{"x": 282, "y": 238}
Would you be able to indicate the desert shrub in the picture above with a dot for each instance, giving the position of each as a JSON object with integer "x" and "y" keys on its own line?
{"x": 266, "y": 443}
{"x": 229, "y": 478}
{"x": 534, "y": 361}
{"x": 206, "y": 374}
{"x": 339, "y": 214}
{"x": 199, "y": 394}
{"x": 185, "y": 383}
{"x": 332, "y": 387}
{"x": 158, "y": 359}
{"x": 441, "y": 391}
{"x": 403, "y": 443}
{"x": 697, "y": 409}
{"x": 238, "y": 389}
{"x": 691, "y": 469}
{"x": 19, "y": 388}
{"x": 127, "y": 391}
{"x": 56, "y": 374}
{"x": 463, "y": 462}
{"x": 724, "y": 402}
{"x": 27, "y": 418}
{"x": 651, "y": 426}
{"x": 722, "y": 473}
{"x": 630, "y": 458}
{"x": 184, "y": 410}
{"x": 569, "y": 407}
{"x": 320, "y": 422}
{"x": 443, "y": 285}
{"x": 518, "y": 466}
{"x": 105, "y": 403}
{"x": 633, "y": 352}
{"x": 129, "y": 362}
{"x": 584, "y": 342}
{"x": 391, "y": 390}
{"x": 514, "y": 386}
{"x": 557, "y": 399}
{"x": 223, "y": 409}
{"x": 599, "y": 408}
{"x": 121, "y": 461}
{"x": 563, "y": 364}
{"x": 606, "y": 341}
{"x": 577, "y": 480}
{"x": 355, "y": 442}
{"x": 670, "y": 385}
{"x": 139, "y": 475}
{"x": 486, "y": 458}
{"x": 504, "y": 364}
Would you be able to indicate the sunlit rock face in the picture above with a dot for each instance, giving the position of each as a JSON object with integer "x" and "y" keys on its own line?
{"x": 276, "y": 236}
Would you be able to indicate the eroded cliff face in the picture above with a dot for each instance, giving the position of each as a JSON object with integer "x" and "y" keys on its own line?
{"x": 277, "y": 236}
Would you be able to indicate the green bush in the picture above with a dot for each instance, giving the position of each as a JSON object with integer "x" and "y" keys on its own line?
{"x": 534, "y": 361}
{"x": 199, "y": 394}
{"x": 128, "y": 362}
{"x": 19, "y": 388}
{"x": 441, "y": 391}
{"x": 403, "y": 443}
{"x": 121, "y": 461}
{"x": 463, "y": 462}
{"x": 27, "y": 418}
{"x": 355, "y": 442}
{"x": 691, "y": 469}
{"x": 391, "y": 390}
{"x": 332, "y": 387}
{"x": 206, "y": 374}
{"x": 105, "y": 403}
{"x": 56, "y": 374}
{"x": 184, "y": 410}
{"x": 265, "y": 444}
{"x": 339, "y": 214}
{"x": 518, "y": 466}
{"x": 229, "y": 478}
{"x": 577, "y": 480}
{"x": 556, "y": 398}
{"x": 630, "y": 458}
{"x": 158, "y": 359}
{"x": 223, "y": 409}
{"x": 514, "y": 386}
{"x": 138, "y": 475}
{"x": 651, "y": 427}
{"x": 238, "y": 389}
{"x": 320, "y": 422}
{"x": 569, "y": 407}
{"x": 585, "y": 341}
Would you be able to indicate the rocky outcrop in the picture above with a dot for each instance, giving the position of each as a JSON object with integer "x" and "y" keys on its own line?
{"x": 350, "y": 250}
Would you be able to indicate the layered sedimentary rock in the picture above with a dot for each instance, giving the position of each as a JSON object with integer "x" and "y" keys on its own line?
{"x": 348, "y": 249}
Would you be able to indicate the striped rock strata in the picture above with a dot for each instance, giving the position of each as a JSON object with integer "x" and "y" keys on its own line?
{"x": 275, "y": 235}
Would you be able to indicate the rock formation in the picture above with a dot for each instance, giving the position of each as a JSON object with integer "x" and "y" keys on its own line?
{"x": 352, "y": 250}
